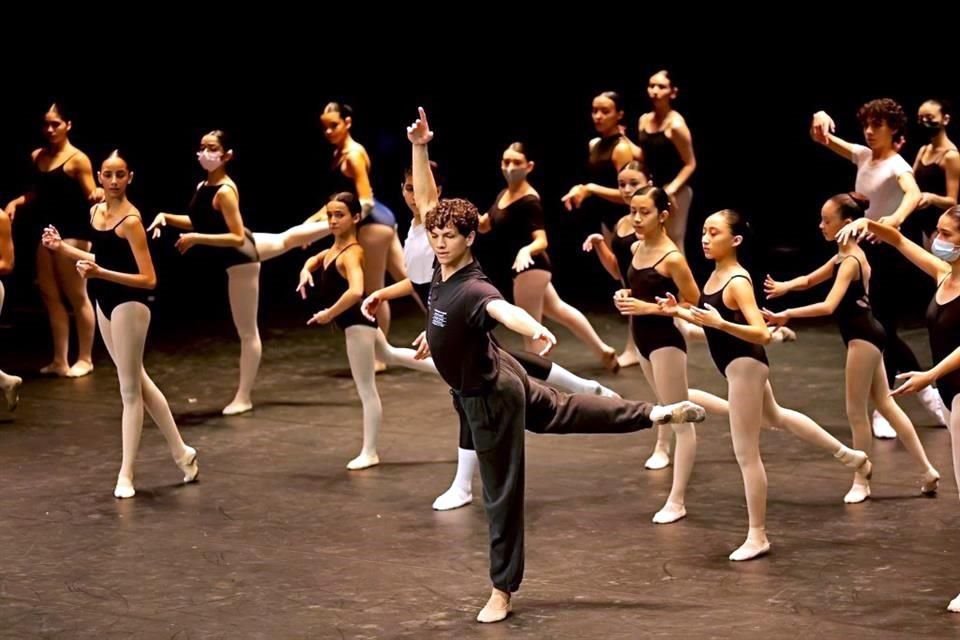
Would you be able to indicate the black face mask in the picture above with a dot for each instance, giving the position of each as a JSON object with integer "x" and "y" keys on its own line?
{"x": 929, "y": 128}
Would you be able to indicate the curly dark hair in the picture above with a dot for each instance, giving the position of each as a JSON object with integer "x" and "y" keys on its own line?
{"x": 461, "y": 213}
{"x": 884, "y": 110}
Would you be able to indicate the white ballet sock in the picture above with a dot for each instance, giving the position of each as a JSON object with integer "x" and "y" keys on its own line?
{"x": 930, "y": 398}
{"x": 572, "y": 383}
{"x": 460, "y": 492}
{"x": 882, "y": 428}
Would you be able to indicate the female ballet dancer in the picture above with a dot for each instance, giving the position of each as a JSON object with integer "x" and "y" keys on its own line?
{"x": 517, "y": 222}
{"x": 667, "y": 149}
{"x": 217, "y": 234}
{"x": 936, "y": 168}
{"x": 735, "y": 334}
{"x": 943, "y": 316}
{"x": 377, "y": 233}
{"x": 62, "y": 192}
{"x": 887, "y": 181}
{"x": 419, "y": 259}
{"x": 609, "y": 152}
{"x": 10, "y": 385}
{"x": 341, "y": 292}
{"x": 616, "y": 257}
{"x": 121, "y": 276}
{"x": 849, "y": 304}
{"x": 656, "y": 268}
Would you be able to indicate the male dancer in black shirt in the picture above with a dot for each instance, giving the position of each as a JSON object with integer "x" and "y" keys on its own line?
{"x": 490, "y": 390}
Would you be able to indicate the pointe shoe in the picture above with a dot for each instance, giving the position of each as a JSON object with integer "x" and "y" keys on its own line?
{"x": 189, "y": 465}
{"x": 498, "y": 607}
{"x": 930, "y": 482}
{"x": 363, "y": 461}
{"x": 750, "y": 550}
{"x": 452, "y": 498}
{"x": 12, "y": 393}
{"x": 124, "y": 489}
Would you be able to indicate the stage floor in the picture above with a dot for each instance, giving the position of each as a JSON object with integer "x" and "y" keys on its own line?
{"x": 279, "y": 540}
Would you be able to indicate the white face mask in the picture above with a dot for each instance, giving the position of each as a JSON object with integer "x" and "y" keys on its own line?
{"x": 944, "y": 250}
{"x": 210, "y": 160}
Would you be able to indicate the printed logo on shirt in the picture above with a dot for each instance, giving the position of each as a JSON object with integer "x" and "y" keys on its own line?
{"x": 439, "y": 318}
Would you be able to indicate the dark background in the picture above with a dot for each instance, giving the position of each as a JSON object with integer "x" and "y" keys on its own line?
{"x": 749, "y": 122}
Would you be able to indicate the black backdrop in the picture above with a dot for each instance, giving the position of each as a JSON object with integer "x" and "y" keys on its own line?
{"x": 749, "y": 125}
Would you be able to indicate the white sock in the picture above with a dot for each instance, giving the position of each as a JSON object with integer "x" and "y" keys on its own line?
{"x": 572, "y": 383}
{"x": 882, "y": 428}
{"x": 930, "y": 398}
{"x": 460, "y": 492}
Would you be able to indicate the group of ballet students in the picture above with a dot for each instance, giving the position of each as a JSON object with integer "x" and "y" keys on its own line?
{"x": 95, "y": 242}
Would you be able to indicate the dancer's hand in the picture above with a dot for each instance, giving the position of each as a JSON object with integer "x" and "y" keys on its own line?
{"x": 774, "y": 288}
{"x": 11, "y": 209}
{"x": 306, "y": 279}
{"x": 186, "y": 242}
{"x": 423, "y": 349}
{"x": 96, "y": 196}
{"x": 575, "y": 197}
{"x": 913, "y": 382}
{"x": 321, "y": 317}
{"x": 88, "y": 269}
{"x": 775, "y": 318}
{"x": 926, "y": 199}
{"x": 668, "y": 305}
{"x": 544, "y": 334}
{"x": 853, "y": 231}
{"x": 419, "y": 132}
{"x": 707, "y": 317}
{"x": 51, "y": 238}
{"x": 157, "y": 225}
{"x": 593, "y": 241}
{"x": 620, "y": 294}
{"x": 628, "y": 305}
{"x": 371, "y": 305}
{"x": 822, "y": 126}
{"x": 523, "y": 260}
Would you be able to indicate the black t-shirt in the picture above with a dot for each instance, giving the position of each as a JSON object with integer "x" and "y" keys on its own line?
{"x": 458, "y": 328}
